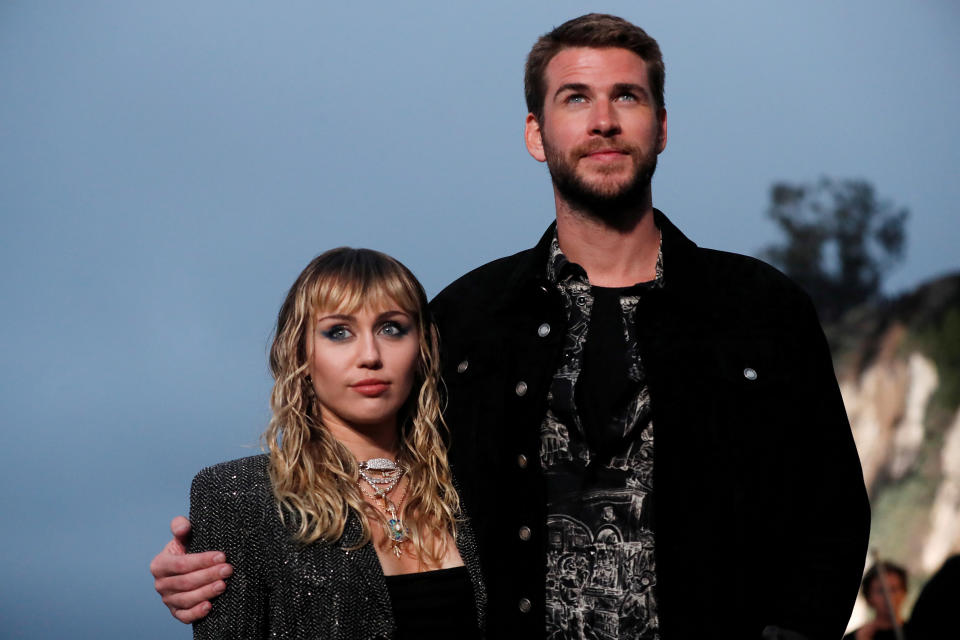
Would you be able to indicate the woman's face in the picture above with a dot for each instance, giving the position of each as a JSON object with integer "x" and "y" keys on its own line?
{"x": 363, "y": 365}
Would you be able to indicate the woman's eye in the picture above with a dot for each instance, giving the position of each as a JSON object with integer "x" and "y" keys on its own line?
{"x": 394, "y": 330}
{"x": 337, "y": 333}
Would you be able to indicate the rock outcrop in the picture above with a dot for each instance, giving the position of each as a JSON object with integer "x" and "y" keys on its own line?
{"x": 898, "y": 364}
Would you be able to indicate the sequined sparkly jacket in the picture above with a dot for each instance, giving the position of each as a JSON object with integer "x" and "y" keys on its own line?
{"x": 760, "y": 513}
{"x": 283, "y": 590}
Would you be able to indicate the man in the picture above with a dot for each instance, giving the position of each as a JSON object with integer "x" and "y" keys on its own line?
{"x": 649, "y": 435}
{"x": 884, "y": 588}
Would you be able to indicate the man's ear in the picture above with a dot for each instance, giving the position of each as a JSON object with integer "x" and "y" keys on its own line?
{"x": 662, "y": 135}
{"x": 533, "y": 137}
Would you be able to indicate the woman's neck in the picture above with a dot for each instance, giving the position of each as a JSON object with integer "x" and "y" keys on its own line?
{"x": 366, "y": 442}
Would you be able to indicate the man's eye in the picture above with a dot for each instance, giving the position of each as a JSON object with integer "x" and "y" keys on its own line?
{"x": 627, "y": 97}
{"x": 576, "y": 98}
{"x": 394, "y": 330}
{"x": 337, "y": 333}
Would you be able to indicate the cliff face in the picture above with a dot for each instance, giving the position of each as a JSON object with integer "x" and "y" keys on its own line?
{"x": 898, "y": 365}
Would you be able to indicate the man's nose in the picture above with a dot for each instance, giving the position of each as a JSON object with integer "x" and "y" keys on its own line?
{"x": 603, "y": 121}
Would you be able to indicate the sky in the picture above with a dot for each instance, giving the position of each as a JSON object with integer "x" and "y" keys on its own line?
{"x": 168, "y": 168}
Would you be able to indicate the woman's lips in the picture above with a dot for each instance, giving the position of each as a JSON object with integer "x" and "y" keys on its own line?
{"x": 371, "y": 387}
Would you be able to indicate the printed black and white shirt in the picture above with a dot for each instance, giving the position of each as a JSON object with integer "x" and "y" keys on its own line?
{"x": 596, "y": 450}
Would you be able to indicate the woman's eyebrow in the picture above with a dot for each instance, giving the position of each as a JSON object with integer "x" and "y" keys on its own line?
{"x": 336, "y": 316}
{"x": 393, "y": 312}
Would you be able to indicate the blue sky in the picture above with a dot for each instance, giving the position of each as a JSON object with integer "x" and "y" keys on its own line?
{"x": 167, "y": 168}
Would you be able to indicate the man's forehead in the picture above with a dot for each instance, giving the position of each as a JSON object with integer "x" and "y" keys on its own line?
{"x": 595, "y": 66}
{"x": 892, "y": 578}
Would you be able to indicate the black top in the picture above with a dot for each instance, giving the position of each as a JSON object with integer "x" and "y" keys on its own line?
{"x": 433, "y": 604}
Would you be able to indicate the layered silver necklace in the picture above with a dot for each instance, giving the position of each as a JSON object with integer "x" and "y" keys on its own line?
{"x": 383, "y": 476}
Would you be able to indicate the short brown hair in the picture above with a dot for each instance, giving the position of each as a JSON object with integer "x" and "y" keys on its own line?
{"x": 594, "y": 30}
{"x": 874, "y": 572}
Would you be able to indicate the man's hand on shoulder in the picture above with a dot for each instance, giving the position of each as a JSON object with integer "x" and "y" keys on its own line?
{"x": 188, "y": 581}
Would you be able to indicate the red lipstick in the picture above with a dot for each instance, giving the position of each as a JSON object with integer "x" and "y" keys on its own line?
{"x": 370, "y": 387}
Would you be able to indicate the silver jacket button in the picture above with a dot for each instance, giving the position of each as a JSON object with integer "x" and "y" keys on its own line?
{"x": 543, "y": 330}
{"x": 750, "y": 374}
{"x": 462, "y": 366}
{"x": 521, "y": 388}
{"x": 524, "y": 605}
{"x": 524, "y": 533}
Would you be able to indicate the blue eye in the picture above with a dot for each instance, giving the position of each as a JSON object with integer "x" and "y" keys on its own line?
{"x": 337, "y": 333}
{"x": 629, "y": 97}
{"x": 394, "y": 330}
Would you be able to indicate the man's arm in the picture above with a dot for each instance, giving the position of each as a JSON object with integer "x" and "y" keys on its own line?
{"x": 826, "y": 514}
{"x": 185, "y": 581}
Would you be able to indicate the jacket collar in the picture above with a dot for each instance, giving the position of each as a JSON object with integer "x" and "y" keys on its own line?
{"x": 679, "y": 254}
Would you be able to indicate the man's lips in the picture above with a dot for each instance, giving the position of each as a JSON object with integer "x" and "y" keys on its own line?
{"x": 605, "y": 154}
{"x": 370, "y": 387}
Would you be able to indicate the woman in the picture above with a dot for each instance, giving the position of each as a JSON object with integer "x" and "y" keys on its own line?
{"x": 349, "y": 527}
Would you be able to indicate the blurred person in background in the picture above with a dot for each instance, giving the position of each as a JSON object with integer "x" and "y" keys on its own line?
{"x": 884, "y": 588}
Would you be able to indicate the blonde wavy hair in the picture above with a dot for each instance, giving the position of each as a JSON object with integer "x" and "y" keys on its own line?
{"x": 314, "y": 476}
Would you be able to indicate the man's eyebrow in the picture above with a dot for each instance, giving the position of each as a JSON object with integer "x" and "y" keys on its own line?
{"x": 576, "y": 87}
{"x": 622, "y": 87}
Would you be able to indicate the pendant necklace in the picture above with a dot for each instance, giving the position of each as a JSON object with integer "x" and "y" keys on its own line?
{"x": 383, "y": 476}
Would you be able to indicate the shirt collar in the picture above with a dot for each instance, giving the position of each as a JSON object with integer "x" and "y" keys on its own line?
{"x": 559, "y": 268}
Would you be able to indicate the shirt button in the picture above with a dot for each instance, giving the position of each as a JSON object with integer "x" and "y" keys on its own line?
{"x": 524, "y": 533}
{"x": 521, "y": 388}
{"x": 524, "y": 605}
{"x": 522, "y": 461}
{"x": 750, "y": 374}
{"x": 462, "y": 366}
{"x": 543, "y": 330}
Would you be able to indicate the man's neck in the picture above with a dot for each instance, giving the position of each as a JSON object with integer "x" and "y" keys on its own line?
{"x": 886, "y": 622}
{"x": 612, "y": 257}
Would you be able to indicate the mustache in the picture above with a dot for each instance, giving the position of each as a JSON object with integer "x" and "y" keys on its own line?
{"x": 595, "y": 146}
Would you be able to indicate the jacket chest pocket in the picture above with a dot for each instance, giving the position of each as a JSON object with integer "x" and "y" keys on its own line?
{"x": 731, "y": 394}
{"x": 754, "y": 393}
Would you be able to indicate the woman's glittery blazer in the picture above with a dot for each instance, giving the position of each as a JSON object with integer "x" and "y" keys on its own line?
{"x": 282, "y": 589}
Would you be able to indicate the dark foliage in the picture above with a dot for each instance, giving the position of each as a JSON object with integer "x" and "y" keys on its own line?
{"x": 840, "y": 240}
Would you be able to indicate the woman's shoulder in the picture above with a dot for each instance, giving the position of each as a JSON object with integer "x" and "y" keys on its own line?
{"x": 235, "y": 480}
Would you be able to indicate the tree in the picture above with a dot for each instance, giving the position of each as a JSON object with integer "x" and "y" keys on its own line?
{"x": 840, "y": 240}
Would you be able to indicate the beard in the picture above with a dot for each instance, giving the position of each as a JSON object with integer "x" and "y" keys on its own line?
{"x": 616, "y": 205}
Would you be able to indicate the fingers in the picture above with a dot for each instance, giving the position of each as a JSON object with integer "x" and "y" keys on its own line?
{"x": 190, "y": 602}
{"x": 180, "y": 528}
{"x": 191, "y": 615}
{"x": 166, "y": 564}
{"x": 188, "y": 581}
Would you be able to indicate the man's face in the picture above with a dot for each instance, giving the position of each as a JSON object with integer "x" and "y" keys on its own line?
{"x": 601, "y": 130}
{"x": 878, "y": 603}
